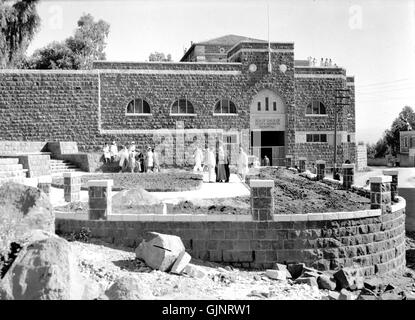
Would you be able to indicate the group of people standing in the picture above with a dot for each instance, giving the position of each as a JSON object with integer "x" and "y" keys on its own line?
{"x": 218, "y": 163}
{"x": 312, "y": 62}
{"x": 132, "y": 159}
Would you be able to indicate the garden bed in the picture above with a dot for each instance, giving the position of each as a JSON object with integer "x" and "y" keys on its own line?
{"x": 238, "y": 205}
{"x": 153, "y": 182}
{"x": 294, "y": 194}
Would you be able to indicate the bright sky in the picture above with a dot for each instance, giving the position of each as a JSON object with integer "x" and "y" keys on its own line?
{"x": 373, "y": 40}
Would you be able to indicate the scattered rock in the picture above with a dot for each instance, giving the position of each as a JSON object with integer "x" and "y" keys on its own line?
{"x": 408, "y": 296}
{"x": 390, "y": 296}
{"x": 276, "y": 274}
{"x": 372, "y": 283}
{"x": 128, "y": 288}
{"x": 389, "y": 287}
{"x": 295, "y": 269}
{"x": 358, "y": 283}
{"x": 345, "y": 277}
{"x": 334, "y": 295}
{"x": 345, "y": 295}
{"x": 326, "y": 282}
{"x": 181, "y": 262}
{"x": 194, "y": 271}
{"x": 310, "y": 281}
{"x": 310, "y": 274}
{"x": 160, "y": 251}
{"x": 367, "y": 297}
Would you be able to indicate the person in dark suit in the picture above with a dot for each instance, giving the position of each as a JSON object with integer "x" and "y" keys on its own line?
{"x": 227, "y": 171}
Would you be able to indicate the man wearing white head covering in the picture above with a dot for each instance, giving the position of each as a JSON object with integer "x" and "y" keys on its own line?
{"x": 242, "y": 163}
{"x": 211, "y": 162}
{"x": 113, "y": 151}
{"x": 150, "y": 159}
{"x": 198, "y": 156}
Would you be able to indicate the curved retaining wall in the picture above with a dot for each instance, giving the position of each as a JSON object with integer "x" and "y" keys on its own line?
{"x": 366, "y": 240}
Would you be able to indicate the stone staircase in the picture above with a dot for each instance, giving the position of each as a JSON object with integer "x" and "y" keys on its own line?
{"x": 11, "y": 170}
{"x": 61, "y": 166}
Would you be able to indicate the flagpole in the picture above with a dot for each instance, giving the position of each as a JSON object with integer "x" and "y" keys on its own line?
{"x": 269, "y": 43}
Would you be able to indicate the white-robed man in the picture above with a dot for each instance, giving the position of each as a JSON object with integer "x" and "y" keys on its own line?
{"x": 114, "y": 151}
{"x": 106, "y": 151}
{"x": 198, "y": 156}
{"x": 124, "y": 158}
{"x": 242, "y": 163}
{"x": 211, "y": 162}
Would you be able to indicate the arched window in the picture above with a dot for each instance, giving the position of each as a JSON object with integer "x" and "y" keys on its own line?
{"x": 182, "y": 106}
{"x": 225, "y": 106}
{"x": 138, "y": 106}
{"x": 316, "y": 107}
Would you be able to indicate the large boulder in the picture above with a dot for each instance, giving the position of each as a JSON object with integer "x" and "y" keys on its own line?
{"x": 129, "y": 288}
{"x": 22, "y": 209}
{"x": 160, "y": 251}
{"x": 45, "y": 269}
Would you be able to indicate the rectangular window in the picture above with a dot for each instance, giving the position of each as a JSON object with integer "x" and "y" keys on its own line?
{"x": 274, "y": 104}
{"x": 266, "y": 104}
{"x": 259, "y": 106}
{"x": 316, "y": 137}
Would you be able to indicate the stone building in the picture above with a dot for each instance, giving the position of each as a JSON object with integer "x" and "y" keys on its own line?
{"x": 406, "y": 156}
{"x": 235, "y": 90}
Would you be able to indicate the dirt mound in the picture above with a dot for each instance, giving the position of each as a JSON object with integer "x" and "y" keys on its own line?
{"x": 134, "y": 197}
{"x": 294, "y": 194}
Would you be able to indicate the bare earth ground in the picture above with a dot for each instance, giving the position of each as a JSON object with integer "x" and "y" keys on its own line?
{"x": 103, "y": 265}
{"x": 294, "y": 194}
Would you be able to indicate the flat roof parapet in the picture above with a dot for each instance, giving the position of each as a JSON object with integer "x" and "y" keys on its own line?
{"x": 155, "y": 65}
{"x": 255, "y": 45}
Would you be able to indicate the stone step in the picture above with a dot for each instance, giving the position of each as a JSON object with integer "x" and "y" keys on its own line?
{"x": 14, "y": 179}
{"x": 10, "y": 167}
{"x": 7, "y": 174}
{"x": 6, "y": 161}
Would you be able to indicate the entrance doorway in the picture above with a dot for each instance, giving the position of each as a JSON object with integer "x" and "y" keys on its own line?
{"x": 267, "y": 125}
{"x": 266, "y": 152}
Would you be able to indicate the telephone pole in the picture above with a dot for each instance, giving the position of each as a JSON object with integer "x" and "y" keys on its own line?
{"x": 341, "y": 96}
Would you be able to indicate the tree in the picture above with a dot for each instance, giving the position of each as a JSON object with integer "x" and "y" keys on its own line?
{"x": 19, "y": 23}
{"x": 55, "y": 55}
{"x": 159, "y": 56}
{"x": 404, "y": 122}
{"x": 89, "y": 41}
{"x": 76, "y": 52}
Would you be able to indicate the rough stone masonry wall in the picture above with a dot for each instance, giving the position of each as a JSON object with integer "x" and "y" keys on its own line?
{"x": 49, "y": 106}
{"x": 324, "y": 90}
{"x": 161, "y": 90}
{"x": 371, "y": 245}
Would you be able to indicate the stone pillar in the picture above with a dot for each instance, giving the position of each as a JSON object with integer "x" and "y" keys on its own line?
{"x": 321, "y": 169}
{"x": 288, "y": 161}
{"x": 44, "y": 183}
{"x": 394, "y": 184}
{"x": 380, "y": 195}
{"x": 262, "y": 200}
{"x": 348, "y": 175}
{"x": 302, "y": 162}
{"x": 71, "y": 186}
{"x": 100, "y": 203}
